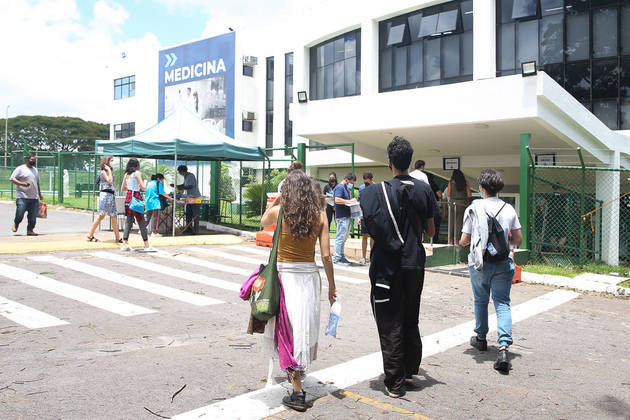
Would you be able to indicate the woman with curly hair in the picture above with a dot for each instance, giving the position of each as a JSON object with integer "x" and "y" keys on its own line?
{"x": 303, "y": 222}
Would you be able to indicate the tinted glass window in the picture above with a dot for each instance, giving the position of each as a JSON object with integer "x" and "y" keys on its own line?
{"x": 505, "y": 10}
{"x": 577, "y": 37}
{"x": 125, "y": 87}
{"x": 385, "y": 69}
{"x": 523, "y": 9}
{"x": 447, "y": 21}
{"x": 350, "y": 77}
{"x": 248, "y": 71}
{"x": 340, "y": 49}
{"x": 605, "y": 79}
{"x": 578, "y": 80}
{"x": 400, "y": 66}
{"x": 625, "y": 115}
{"x": 467, "y": 53}
{"x": 624, "y": 78}
{"x": 606, "y": 111}
{"x": 556, "y": 72}
{"x": 338, "y": 79}
{"x": 414, "y": 72}
{"x": 625, "y": 30}
{"x": 467, "y": 15}
{"x": 432, "y": 59}
{"x": 551, "y": 39}
{"x": 450, "y": 55}
{"x": 414, "y": 26}
{"x": 428, "y": 25}
{"x": 604, "y": 32}
{"x": 527, "y": 42}
{"x": 550, "y": 7}
{"x": 505, "y": 48}
{"x": 336, "y": 67}
{"x": 396, "y": 34}
{"x": 351, "y": 45}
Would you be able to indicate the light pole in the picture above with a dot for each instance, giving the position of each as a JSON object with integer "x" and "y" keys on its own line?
{"x": 6, "y": 127}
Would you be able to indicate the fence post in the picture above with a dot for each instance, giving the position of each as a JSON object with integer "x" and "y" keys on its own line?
{"x": 59, "y": 179}
{"x": 525, "y": 190}
{"x": 215, "y": 177}
{"x": 301, "y": 154}
{"x": 240, "y": 194}
{"x": 583, "y": 186}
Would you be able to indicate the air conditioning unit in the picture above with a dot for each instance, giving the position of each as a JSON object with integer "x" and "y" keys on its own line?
{"x": 250, "y": 60}
{"x": 249, "y": 116}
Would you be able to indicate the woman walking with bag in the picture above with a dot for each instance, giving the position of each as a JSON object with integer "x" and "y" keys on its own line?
{"x": 458, "y": 193}
{"x": 133, "y": 183}
{"x": 106, "y": 199}
{"x": 303, "y": 222}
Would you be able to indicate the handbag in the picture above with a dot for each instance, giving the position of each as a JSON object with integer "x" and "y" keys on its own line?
{"x": 135, "y": 204}
{"x": 265, "y": 296}
{"x": 43, "y": 211}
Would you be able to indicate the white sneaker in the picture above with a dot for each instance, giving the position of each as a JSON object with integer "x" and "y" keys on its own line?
{"x": 147, "y": 249}
{"x": 362, "y": 261}
{"x": 156, "y": 235}
{"x": 126, "y": 248}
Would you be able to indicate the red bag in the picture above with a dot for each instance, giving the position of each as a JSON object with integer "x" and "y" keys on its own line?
{"x": 43, "y": 211}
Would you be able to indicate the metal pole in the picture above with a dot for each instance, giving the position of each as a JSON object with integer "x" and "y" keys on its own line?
{"x": 6, "y": 135}
{"x": 240, "y": 194}
{"x": 579, "y": 151}
{"x": 174, "y": 190}
{"x": 524, "y": 190}
{"x": 262, "y": 190}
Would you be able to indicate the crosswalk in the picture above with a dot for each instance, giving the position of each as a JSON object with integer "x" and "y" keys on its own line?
{"x": 171, "y": 276}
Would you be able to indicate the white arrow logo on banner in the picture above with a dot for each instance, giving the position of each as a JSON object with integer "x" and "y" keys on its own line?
{"x": 170, "y": 59}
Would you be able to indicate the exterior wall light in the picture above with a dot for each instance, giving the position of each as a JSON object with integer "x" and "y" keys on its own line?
{"x": 302, "y": 97}
{"x": 528, "y": 68}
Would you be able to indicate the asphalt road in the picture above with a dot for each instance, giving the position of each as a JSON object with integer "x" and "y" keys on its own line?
{"x": 58, "y": 221}
{"x": 121, "y": 358}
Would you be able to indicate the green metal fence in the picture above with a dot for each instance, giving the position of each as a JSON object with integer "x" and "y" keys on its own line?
{"x": 579, "y": 213}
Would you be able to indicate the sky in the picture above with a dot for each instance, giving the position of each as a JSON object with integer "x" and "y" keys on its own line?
{"x": 55, "y": 53}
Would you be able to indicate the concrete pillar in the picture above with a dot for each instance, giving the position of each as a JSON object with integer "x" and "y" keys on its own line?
{"x": 607, "y": 185}
{"x": 484, "y": 39}
{"x": 369, "y": 57}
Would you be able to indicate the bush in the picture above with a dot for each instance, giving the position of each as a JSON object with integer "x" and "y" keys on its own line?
{"x": 253, "y": 191}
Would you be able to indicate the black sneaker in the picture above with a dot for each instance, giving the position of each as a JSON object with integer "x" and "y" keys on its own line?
{"x": 395, "y": 393}
{"x": 481, "y": 345}
{"x": 503, "y": 362}
{"x": 296, "y": 401}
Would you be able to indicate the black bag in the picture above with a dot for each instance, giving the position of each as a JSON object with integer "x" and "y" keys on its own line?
{"x": 97, "y": 183}
{"x": 381, "y": 215}
{"x": 498, "y": 248}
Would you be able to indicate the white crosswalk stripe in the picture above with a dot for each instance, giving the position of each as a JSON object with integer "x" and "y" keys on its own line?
{"x": 125, "y": 280}
{"x": 170, "y": 271}
{"x": 69, "y": 291}
{"x": 243, "y": 259}
{"x": 27, "y": 316}
{"x": 265, "y": 252}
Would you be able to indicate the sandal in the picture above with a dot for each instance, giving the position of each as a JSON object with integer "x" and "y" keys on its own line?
{"x": 92, "y": 239}
{"x": 120, "y": 241}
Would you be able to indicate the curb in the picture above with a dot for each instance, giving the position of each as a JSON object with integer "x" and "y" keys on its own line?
{"x": 576, "y": 284}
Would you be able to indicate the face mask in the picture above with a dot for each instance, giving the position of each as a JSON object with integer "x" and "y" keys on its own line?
{"x": 350, "y": 186}
{"x": 366, "y": 183}
{"x": 333, "y": 180}
{"x": 480, "y": 194}
{"x": 32, "y": 162}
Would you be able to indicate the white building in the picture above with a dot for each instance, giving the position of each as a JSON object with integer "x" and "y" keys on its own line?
{"x": 445, "y": 75}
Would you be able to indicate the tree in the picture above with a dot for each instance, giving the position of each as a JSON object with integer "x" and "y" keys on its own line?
{"x": 55, "y": 134}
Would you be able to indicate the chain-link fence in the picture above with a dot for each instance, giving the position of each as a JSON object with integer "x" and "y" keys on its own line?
{"x": 579, "y": 214}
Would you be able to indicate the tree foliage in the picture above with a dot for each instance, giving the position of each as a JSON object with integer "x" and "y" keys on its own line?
{"x": 55, "y": 134}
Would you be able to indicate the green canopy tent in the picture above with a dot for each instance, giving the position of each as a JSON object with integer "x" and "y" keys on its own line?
{"x": 181, "y": 135}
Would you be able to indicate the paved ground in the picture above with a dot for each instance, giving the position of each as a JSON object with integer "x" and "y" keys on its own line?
{"x": 58, "y": 221}
{"x": 163, "y": 322}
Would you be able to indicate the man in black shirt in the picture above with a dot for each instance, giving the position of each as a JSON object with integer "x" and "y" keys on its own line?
{"x": 397, "y": 278}
{"x": 328, "y": 189}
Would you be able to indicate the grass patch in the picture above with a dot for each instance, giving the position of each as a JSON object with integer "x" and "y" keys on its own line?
{"x": 575, "y": 270}
{"x": 625, "y": 284}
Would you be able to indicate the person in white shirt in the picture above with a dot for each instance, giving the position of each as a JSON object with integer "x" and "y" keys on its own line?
{"x": 26, "y": 179}
{"x": 418, "y": 173}
{"x": 495, "y": 276}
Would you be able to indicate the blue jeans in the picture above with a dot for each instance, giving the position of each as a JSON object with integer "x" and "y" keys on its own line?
{"x": 495, "y": 277}
{"x": 342, "y": 231}
{"x": 23, "y": 205}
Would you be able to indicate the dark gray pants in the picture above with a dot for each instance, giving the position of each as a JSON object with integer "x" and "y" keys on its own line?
{"x": 141, "y": 223}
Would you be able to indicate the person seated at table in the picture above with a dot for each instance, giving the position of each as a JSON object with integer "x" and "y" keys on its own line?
{"x": 190, "y": 190}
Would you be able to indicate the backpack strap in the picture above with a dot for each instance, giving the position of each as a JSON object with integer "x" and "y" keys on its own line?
{"x": 495, "y": 216}
{"x": 391, "y": 214}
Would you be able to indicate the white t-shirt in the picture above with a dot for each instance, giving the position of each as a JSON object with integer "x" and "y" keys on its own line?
{"x": 25, "y": 174}
{"x": 507, "y": 218}
{"x": 419, "y": 175}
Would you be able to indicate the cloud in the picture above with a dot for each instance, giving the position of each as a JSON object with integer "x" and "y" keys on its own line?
{"x": 56, "y": 63}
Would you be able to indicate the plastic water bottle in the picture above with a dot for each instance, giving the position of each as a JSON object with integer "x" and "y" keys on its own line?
{"x": 333, "y": 320}
{"x": 491, "y": 249}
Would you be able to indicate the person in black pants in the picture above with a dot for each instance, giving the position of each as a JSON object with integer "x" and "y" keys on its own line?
{"x": 328, "y": 189}
{"x": 397, "y": 278}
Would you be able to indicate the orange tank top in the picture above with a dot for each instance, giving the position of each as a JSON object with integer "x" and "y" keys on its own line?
{"x": 292, "y": 250}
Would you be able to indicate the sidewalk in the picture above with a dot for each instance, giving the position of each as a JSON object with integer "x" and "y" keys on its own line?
{"x": 21, "y": 244}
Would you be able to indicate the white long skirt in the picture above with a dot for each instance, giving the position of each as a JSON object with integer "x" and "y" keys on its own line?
{"x": 302, "y": 292}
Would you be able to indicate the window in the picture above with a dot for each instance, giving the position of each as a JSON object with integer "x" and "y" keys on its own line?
{"x": 397, "y": 35}
{"x": 269, "y": 105}
{"x": 125, "y": 87}
{"x": 288, "y": 98}
{"x": 336, "y": 66}
{"x": 125, "y": 130}
{"x": 248, "y": 125}
{"x": 248, "y": 71}
{"x": 584, "y": 45}
{"x": 439, "y": 49}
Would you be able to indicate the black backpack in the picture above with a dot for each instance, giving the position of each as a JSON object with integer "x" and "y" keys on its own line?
{"x": 497, "y": 248}
{"x": 379, "y": 203}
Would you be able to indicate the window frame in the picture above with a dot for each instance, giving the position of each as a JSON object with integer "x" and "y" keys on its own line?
{"x": 122, "y": 83}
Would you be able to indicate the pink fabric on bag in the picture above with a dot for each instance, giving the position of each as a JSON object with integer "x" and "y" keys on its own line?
{"x": 283, "y": 335}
